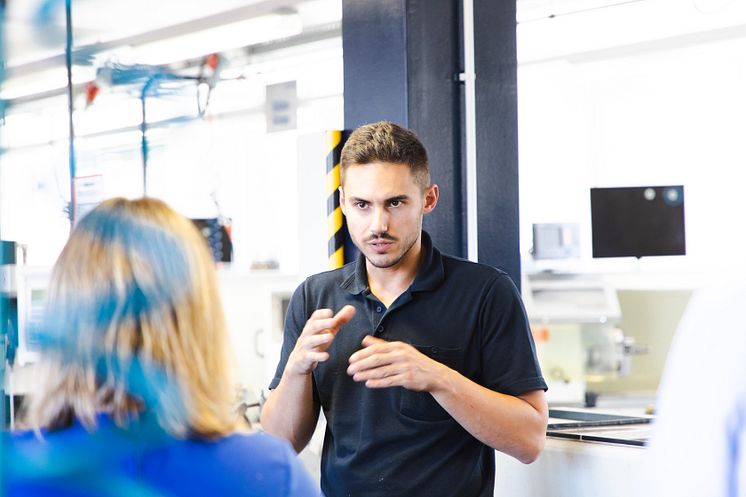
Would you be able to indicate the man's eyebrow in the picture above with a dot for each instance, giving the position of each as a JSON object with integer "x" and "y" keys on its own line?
{"x": 395, "y": 198}
{"x": 358, "y": 199}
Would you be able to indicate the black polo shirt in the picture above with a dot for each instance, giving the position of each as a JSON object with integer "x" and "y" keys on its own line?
{"x": 395, "y": 442}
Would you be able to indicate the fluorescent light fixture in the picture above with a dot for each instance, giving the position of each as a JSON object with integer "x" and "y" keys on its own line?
{"x": 175, "y": 49}
{"x": 45, "y": 81}
{"x": 218, "y": 39}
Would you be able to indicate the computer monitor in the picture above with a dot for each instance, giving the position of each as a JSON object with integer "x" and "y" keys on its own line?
{"x": 638, "y": 221}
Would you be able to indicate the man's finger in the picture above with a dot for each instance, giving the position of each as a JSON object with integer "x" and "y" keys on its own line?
{"x": 371, "y": 340}
{"x": 319, "y": 339}
{"x": 366, "y": 351}
{"x": 375, "y": 361}
{"x": 345, "y": 315}
{"x": 391, "y": 381}
{"x": 317, "y": 356}
{"x": 384, "y": 371}
{"x": 314, "y": 326}
{"x": 321, "y": 314}
{"x": 340, "y": 319}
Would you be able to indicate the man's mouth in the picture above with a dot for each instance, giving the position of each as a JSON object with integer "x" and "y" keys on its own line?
{"x": 381, "y": 245}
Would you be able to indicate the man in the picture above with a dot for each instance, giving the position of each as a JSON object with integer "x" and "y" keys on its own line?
{"x": 428, "y": 364}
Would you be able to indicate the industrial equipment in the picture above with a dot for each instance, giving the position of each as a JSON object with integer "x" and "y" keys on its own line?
{"x": 574, "y": 320}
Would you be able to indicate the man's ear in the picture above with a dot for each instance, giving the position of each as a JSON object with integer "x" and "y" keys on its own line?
{"x": 431, "y": 198}
{"x": 342, "y": 200}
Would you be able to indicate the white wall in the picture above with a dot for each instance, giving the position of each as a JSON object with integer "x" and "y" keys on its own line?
{"x": 228, "y": 155}
{"x": 644, "y": 93}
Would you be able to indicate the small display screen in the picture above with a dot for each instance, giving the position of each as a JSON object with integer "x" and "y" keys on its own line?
{"x": 638, "y": 221}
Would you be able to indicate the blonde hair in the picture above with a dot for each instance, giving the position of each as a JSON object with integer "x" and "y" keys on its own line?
{"x": 134, "y": 323}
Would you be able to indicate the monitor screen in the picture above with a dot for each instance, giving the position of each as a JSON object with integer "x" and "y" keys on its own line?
{"x": 638, "y": 221}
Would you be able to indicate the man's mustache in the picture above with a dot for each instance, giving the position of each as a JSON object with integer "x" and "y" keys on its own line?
{"x": 379, "y": 237}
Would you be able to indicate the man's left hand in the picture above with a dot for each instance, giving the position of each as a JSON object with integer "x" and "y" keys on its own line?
{"x": 382, "y": 364}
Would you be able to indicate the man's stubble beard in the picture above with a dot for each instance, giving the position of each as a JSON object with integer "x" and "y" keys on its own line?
{"x": 398, "y": 259}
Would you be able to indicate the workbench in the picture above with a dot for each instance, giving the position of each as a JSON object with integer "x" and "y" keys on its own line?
{"x": 596, "y": 454}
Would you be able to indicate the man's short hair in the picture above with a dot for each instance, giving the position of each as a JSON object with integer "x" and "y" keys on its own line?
{"x": 384, "y": 141}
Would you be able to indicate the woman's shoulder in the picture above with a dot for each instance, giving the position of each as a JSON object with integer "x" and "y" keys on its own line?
{"x": 259, "y": 461}
{"x": 254, "y": 443}
{"x": 243, "y": 464}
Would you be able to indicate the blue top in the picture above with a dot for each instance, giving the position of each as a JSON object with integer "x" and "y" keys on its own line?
{"x": 143, "y": 461}
{"x": 395, "y": 442}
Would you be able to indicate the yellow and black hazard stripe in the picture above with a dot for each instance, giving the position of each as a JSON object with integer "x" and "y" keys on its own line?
{"x": 335, "y": 221}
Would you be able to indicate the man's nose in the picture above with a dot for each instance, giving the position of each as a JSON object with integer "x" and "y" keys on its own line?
{"x": 379, "y": 222}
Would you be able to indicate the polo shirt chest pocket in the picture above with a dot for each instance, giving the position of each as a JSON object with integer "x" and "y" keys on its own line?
{"x": 421, "y": 405}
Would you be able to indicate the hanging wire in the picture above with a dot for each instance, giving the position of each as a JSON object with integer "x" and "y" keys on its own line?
{"x": 152, "y": 88}
{"x": 70, "y": 105}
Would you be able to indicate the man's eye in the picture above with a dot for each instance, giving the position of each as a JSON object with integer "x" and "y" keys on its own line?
{"x": 361, "y": 205}
{"x": 395, "y": 203}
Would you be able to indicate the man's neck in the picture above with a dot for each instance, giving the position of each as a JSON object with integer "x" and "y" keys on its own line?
{"x": 388, "y": 283}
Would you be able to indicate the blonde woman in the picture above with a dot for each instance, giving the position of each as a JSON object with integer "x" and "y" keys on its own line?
{"x": 135, "y": 395}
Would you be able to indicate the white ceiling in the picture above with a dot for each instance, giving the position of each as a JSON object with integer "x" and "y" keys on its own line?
{"x": 31, "y": 36}
{"x": 530, "y": 10}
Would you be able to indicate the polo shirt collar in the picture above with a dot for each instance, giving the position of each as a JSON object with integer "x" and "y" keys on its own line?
{"x": 356, "y": 280}
{"x": 429, "y": 275}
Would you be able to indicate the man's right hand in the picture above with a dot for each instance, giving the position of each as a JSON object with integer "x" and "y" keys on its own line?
{"x": 316, "y": 337}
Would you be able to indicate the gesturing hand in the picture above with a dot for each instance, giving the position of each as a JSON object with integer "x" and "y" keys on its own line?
{"x": 316, "y": 337}
{"x": 382, "y": 364}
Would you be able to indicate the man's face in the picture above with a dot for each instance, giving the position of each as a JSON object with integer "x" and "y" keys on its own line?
{"x": 384, "y": 206}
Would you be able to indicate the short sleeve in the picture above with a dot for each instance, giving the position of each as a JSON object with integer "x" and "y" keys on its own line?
{"x": 295, "y": 320}
{"x": 509, "y": 362}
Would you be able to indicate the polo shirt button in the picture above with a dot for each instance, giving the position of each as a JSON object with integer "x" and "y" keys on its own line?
{"x": 434, "y": 350}
{"x": 380, "y": 329}
{"x": 379, "y": 308}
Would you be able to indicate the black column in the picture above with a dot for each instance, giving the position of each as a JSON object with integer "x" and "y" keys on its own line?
{"x": 497, "y": 135}
{"x": 401, "y": 62}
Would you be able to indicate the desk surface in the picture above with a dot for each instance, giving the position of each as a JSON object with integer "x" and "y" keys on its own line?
{"x": 590, "y": 425}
